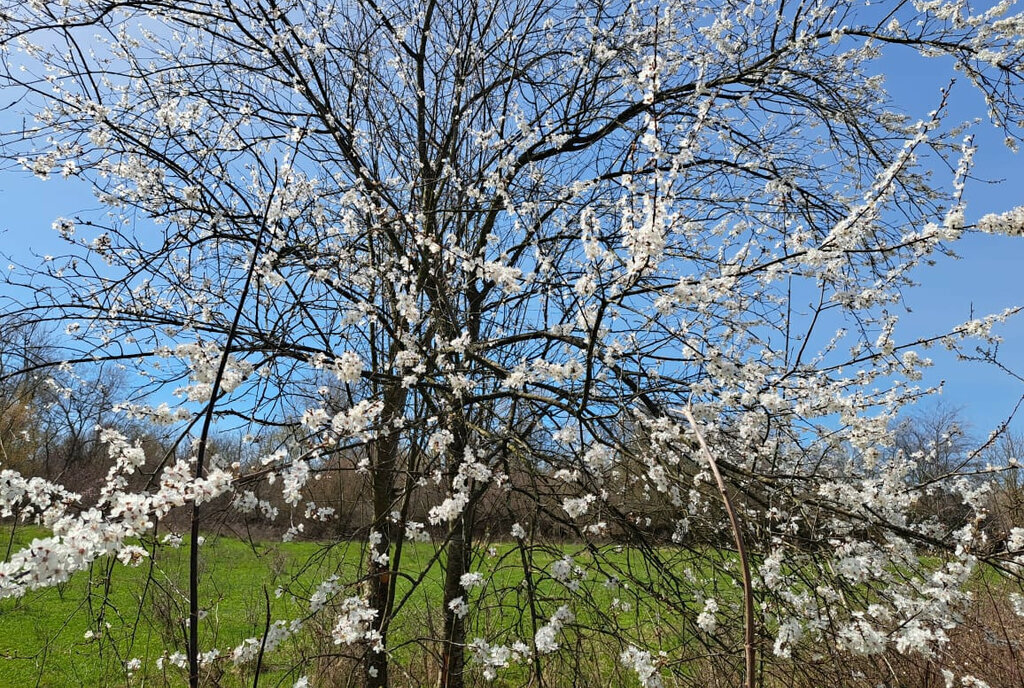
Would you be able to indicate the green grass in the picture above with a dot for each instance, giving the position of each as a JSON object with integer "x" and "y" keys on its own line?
{"x": 138, "y": 612}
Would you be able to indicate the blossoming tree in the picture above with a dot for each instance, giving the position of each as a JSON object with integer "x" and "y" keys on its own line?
{"x": 619, "y": 276}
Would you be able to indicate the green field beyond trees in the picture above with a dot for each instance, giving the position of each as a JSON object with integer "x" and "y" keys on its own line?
{"x": 91, "y": 630}
{"x": 87, "y": 631}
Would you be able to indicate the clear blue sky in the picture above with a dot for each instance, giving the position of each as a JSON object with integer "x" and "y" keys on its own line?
{"x": 987, "y": 278}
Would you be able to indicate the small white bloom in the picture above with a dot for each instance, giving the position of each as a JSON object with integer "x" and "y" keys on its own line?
{"x": 641, "y": 662}
{"x": 132, "y": 555}
{"x": 706, "y": 619}
{"x": 459, "y": 607}
{"x": 577, "y": 507}
{"x": 471, "y": 580}
{"x": 545, "y": 639}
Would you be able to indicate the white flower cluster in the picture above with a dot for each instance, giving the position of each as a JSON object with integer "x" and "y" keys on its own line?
{"x": 459, "y": 607}
{"x": 40, "y": 564}
{"x": 346, "y": 368}
{"x": 644, "y": 237}
{"x": 204, "y": 360}
{"x": 18, "y": 494}
{"x": 172, "y": 540}
{"x": 324, "y": 592}
{"x": 506, "y": 277}
{"x": 566, "y": 572}
{"x": 126, "y": 456}
{"x": 860, "y": 637}
{"x": 247, "y": 501}
{"x": 278, "y": 632}
{"x": 545, "y": 640}
{"x": 982, "y": 327}
{"x": 163, "y": 414}
{"x": 353, "y": 626}
{"x": 78, "y": 540}
{"x": 319, "y": 513}
{"x": 448, "y": 510}
{"x": 541, "y": 370}
{"x": 790, "y": 631}
{"x": 1010, "y": 223}
{"x": 1017, "y": 601}
{"x": 494, "y": 657}
{"x": 177, "y": 659}
{"x": 356, "y": 421}
{"x": 469, "y": 470}
{"x": 642, "y": 663}
{"x": 42, "y": 165}
{"x": 293, "y": 479}
{"x": 649, "y": 78}
{"x": 405, "y": 303}
{"x": 416, "y": 532}
{"x": 468, "y": 581}
{"x": 561, "y": 568}
{"x": 599, "y": 457}
{"x": 132, "y": 555}
{"x": 1015, "y": 542}
{"x": 439, "y": 442}
{"x": 577, "y": 507}
{"x": 177, "y": 487}
{"x": 378, "y": 554}
{"x": 706, "y": 619}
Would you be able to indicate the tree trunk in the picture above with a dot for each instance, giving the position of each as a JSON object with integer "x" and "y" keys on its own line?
{"x": 459, "y": 551}
{"x": 379, "y": 576}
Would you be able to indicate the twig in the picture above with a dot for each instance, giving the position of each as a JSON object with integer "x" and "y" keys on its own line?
{"x": 748, "y": 591}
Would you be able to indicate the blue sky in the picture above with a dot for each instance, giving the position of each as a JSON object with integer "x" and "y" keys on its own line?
{"x": 986, "y": 279}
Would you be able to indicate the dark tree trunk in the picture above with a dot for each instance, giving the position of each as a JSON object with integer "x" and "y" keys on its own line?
{"x": 459, "y": 552}
{"x": 379, "y": 575}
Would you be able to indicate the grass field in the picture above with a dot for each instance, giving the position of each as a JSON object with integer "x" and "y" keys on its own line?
{"x": 136, "y": 613}
{"x": 86, "y": 631}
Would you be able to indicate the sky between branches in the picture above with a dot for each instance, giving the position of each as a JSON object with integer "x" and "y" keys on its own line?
{"x": 986, "y": 279}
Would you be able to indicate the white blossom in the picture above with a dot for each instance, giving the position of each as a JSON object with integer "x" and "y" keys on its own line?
{"x": 1010, "y": 222}
{"x": 642, "y": 663}
{"x": 577, "y": 507}
{"x": 706, "y": 619}
{"x": 353, "y": 624}
{"x": 546, "y": 638}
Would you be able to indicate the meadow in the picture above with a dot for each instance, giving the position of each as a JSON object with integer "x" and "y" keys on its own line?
{"x": 110, "y": 625}
{"x": 90, "y": 630}
{"x": 86, "y": 630}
